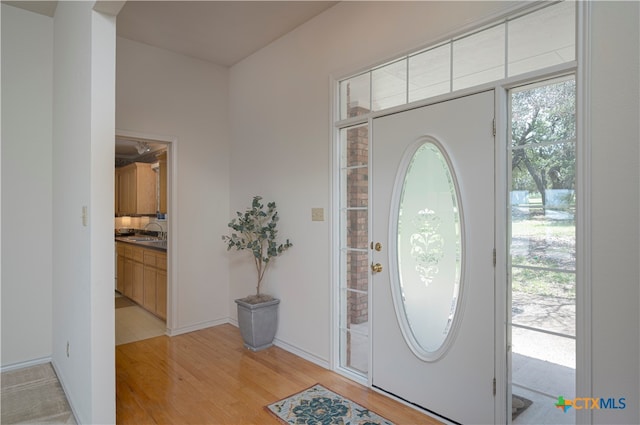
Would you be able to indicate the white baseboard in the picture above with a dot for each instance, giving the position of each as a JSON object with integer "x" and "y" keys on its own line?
{"x": 74, "y": 411}
{"x": 302, "y": 353}
{"x": 196, "y": 327}
{"x": 20, "y": 365}
{"x": 294, "y": 350}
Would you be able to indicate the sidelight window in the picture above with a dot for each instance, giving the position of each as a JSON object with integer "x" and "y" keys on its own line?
{"x": 543, "y": 245}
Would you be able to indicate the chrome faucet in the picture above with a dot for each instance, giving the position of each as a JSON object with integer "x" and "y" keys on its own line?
{"x": 162, "y": 234}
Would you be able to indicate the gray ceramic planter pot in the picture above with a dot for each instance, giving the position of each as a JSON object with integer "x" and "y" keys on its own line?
{"x": 258, "y": 323}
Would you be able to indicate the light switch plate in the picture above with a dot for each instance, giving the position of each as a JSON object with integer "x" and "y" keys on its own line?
{"x": 317, "y": 214}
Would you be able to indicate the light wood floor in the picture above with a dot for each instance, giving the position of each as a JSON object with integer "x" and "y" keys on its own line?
{"x": 208, "y": 377}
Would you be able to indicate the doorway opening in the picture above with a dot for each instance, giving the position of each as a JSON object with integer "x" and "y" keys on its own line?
{"x": 542, "y": 270}
{"x": 142, "y": 231}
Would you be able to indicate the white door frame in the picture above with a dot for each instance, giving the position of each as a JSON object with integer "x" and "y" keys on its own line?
{"x": 583, "y": 217}
{"x": 583, "y": 299}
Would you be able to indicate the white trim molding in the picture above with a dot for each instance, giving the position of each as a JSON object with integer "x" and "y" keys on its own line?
{"x": 28, "y": 363}
{"x": 196, "y": 327}
{"x": 302, "y": 353}
{"x": 584, "y": 386}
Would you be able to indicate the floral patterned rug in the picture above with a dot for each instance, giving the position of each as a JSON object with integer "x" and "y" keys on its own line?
{"x": 320, "y": 406}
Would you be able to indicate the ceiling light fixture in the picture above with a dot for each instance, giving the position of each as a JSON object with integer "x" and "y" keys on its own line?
{"x": 143, "y": 147}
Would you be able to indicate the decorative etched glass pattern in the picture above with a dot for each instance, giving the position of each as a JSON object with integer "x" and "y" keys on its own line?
{"x": 429, "y": 247}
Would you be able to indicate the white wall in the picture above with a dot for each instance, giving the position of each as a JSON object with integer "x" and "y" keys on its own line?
{"x": 167, "y": 94}
{"x": 101, "y": 211}
{"x": 614, "y": 116}
{"x": 281, "y": 132}
{"x": 27, "y": 64}
{"x": 83, "y": 152}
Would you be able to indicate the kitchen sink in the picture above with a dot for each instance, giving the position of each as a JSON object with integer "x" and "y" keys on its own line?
{"x": 142, "y": 239}
{"x": 150, "y": 241}
{"x": 160, "y": 243}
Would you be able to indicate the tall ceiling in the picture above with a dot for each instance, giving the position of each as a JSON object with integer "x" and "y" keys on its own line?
{"x": 42, "y": 7}
{"x": 222, "y": 32}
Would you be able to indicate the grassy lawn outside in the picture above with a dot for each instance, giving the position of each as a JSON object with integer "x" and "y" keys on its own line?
{"x": 543, "y": 239}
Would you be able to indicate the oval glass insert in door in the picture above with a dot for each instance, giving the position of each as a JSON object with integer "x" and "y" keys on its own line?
{"x": 427, "y": 231}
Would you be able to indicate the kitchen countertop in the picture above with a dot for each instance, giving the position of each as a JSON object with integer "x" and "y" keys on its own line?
{"x": 152, "y": 243}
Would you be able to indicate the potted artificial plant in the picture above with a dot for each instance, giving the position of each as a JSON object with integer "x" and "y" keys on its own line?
{"x": 255, "y": 231}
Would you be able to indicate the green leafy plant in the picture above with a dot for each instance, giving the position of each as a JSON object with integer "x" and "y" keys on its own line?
{"x": 255, "y": 230}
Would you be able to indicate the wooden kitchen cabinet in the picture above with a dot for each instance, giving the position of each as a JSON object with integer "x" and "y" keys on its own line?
{"x": 155, "y": 282}
{"x": 136, "y": 190}
{"x": 150, "y": 282}
{"x": 116, "y": 202}
{"x": 162, "y": 169}
{"x": 161, "y": 293}
{"x": 120, "y": 266}
{"x": 128, "y": 277}
{"x": 138, "y": 284}
{"x": 133, "y": 286}
{"x": 142, "y": 275}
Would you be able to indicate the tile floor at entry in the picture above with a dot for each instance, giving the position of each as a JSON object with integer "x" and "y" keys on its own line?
{"x": 133, "y": 323}
{"x": 34, "y": 395}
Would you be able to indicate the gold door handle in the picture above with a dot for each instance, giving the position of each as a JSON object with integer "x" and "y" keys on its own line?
{"x": 376, "y": 268}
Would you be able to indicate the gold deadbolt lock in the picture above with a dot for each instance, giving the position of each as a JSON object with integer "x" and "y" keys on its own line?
{"x": 376, "y": 268}
{"x": 377, "y": 246}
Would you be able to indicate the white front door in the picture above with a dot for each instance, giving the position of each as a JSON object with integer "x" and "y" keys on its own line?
{"x": 432, "y": 250}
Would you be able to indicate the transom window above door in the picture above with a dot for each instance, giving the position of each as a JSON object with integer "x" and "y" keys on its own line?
{"x": 519, "y": 44}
